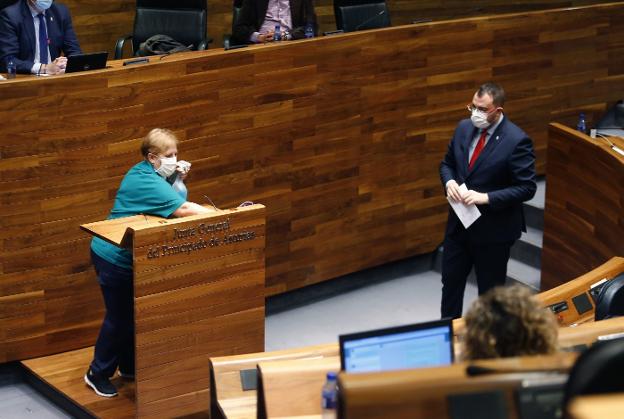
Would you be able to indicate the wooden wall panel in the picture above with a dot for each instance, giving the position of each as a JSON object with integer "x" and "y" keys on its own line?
{"x": 99, "y": 23}
{"x": 339, "y": 137}
{"x": 584, "y": 214}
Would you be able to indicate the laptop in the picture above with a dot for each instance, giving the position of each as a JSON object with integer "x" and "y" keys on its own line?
{"x": 418, "y": 345}
{"x": 86, "y": 62}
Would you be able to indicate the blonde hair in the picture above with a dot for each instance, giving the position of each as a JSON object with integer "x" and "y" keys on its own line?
{"x": 508, "y": 321}
{"x": 157, "y": 141}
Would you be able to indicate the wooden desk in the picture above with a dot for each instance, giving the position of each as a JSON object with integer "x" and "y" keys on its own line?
{"x": 228, "y": 398}
{"x": 603, "y": 406}
{"x": 587, "y": 333}
{"x": 339, "y": 137}
{"x": 293, "y": 388}
{"x": 423, "y": 393}
{"x": 584, "y": 212}
{"x": 579, "y": 288}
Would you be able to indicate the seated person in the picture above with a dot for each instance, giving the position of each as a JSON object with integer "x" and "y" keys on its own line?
{"x": 33, "y": 33}
{"x": 258, "y": 18}
{"x": 507, "y": 322}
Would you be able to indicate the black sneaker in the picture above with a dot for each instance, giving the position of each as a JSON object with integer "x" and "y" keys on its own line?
{"x": 101, "y": 385}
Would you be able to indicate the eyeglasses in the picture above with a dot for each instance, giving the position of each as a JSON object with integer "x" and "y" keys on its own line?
{"x": 471, "y": 108}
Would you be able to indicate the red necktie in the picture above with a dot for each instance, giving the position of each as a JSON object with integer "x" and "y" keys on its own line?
{"x": 478, "y": 148}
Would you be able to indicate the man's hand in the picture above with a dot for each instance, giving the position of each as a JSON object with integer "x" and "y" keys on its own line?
{"x": 266, "y": 37}
{"x": 452, "y": 190}
{"x": 473, "y": 197}
{"x": 57, "y": 66}
{"x": 61, "y": 62}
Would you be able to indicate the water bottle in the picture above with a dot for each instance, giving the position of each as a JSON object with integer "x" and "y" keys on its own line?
{"x": 329, "y": 397}
{"x": 309, "y": 31}
{"x": 277, "y": 35}
{"x": 581, "y": 124}
{"x": 11, "y": 69}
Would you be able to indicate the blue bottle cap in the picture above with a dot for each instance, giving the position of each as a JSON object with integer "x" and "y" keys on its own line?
{"x": 332, "y": 376}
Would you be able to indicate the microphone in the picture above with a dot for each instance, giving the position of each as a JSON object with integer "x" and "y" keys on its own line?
{"x": 212, "y": 203}
{"x": 475, "y": 370}
{"x": 369, "y": 20}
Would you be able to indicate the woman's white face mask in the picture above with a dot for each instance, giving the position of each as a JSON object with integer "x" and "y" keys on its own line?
{"x": 167, "y": 166}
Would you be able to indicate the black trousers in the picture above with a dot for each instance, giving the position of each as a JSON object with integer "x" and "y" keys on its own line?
{"x": 460, "y": 255}
{"x": 115, "y": 344}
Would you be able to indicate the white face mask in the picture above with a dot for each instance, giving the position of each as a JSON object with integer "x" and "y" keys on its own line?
{"x": 479, "y": 119}
{"x": 167, "y": 166}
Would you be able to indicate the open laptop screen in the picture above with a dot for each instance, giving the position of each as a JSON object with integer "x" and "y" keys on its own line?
{"x": 86, "y": 62}
{"x": 414, "y": 346}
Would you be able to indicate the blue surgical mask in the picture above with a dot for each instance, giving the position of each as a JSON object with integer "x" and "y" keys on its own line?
{"x": 43, "y": 4}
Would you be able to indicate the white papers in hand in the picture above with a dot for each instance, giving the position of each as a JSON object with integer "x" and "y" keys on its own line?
{"x": 467, "y": 214}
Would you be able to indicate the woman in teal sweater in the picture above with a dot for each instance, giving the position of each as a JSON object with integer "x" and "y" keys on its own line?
{"x": 144, "y": 190}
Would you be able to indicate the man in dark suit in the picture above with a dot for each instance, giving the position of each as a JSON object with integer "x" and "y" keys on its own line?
{"x": 258, "y": 19}
{"x": 34, "y": 33}
{"x": 495, "y": 159}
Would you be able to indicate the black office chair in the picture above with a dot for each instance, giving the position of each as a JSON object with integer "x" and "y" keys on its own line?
{"x": 182, "y": 20}
{"x": 610, "y": 300}
{"x": 364, "y": 16}
{"x": 597, "y": 370}
{"x": 341, "y": 3}
{"x": 236, "y": 10}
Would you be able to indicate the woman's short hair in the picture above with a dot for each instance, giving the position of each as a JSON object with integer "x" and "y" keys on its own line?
{"x": 508, "y": 321}
{"x": 157, "y": 141}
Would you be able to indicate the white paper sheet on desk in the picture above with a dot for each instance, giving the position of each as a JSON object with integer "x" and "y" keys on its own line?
{"x": 467, "y": 214}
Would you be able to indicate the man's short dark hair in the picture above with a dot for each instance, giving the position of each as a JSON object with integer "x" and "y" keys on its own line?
{"x": 495, "y": 91}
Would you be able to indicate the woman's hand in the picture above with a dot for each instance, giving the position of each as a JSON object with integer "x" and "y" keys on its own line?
{"x": 183, "y": 168}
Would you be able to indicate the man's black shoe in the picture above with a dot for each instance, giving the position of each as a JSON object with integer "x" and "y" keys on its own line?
{"x": 101, "y": 385}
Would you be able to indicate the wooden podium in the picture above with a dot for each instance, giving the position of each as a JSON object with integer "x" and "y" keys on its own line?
{"x": 198, "y": 293}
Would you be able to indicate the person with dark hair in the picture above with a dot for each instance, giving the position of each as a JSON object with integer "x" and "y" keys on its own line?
{"x": 258, "y": 19}
{"x": 495, "y": 160}
{"x": 506, "y": 322}
{"x": 34, "y": 34}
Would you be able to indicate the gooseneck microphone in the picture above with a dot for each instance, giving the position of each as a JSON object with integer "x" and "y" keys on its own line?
{"x": 212, "y": 203}
{"x": 369, "y": 20}
{"x": 474, "y": 370}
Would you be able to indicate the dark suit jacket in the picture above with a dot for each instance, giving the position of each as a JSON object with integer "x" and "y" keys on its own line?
{"x": 17, "y": 35}
{"x": 505, "y": 170}
{"x": 253, "y": 12}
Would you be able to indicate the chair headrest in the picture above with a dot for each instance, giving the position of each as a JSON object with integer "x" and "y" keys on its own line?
{"x": 597, "y": 370}
{"x": 610, "y": 301}
{"x": 173, "y": 4}
{"x": 619, "y": 113}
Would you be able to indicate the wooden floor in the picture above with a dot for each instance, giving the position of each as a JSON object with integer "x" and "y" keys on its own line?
{"x": 65, "y": 372}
